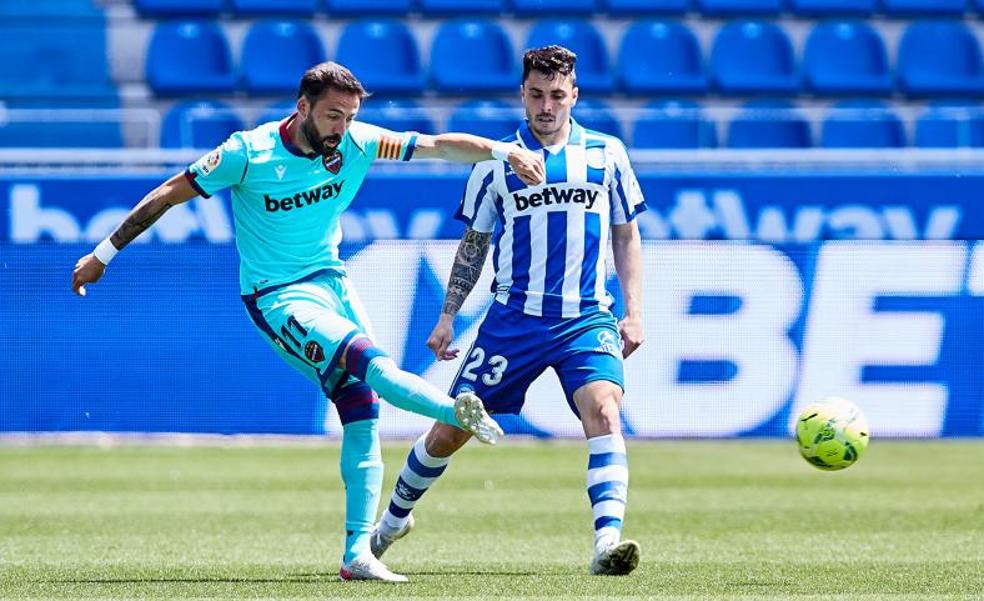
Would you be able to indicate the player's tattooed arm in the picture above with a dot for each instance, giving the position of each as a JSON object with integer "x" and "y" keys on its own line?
{"x": 171, "y": 193}
{"x": 468, "y": 263}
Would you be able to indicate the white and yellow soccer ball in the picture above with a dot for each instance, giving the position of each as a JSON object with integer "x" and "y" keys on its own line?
{"x": 832, "y": 434}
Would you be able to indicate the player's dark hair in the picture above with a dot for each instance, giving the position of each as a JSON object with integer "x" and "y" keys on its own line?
{"x": 550, "y": 60}
{"x": 329, "y": 76}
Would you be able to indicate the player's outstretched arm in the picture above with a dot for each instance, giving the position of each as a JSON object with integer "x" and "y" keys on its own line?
{"x": 627, "y": 252}
{"x": 468, "y": 263}
{"x": 173, "y": 192}
{"x": 466, "y": 148}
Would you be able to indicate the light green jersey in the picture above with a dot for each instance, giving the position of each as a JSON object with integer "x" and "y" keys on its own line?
{"x": 286, "y": 204}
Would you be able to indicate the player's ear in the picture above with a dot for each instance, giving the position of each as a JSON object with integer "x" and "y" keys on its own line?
{"x": 303, "y": 106}
{"x": 574, "y": 93}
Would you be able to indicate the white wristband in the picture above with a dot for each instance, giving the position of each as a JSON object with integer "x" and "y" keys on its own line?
{"x": 501, "y": 150}
{"x": 105, "y": 251}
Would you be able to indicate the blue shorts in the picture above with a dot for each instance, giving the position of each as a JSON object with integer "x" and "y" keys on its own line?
{"x": 512, "y": 350}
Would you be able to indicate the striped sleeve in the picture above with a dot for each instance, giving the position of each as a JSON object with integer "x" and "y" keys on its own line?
{"x": 626, "y": 195}
{"x": 477, "y": 208}
{"x": 393, "y": 146}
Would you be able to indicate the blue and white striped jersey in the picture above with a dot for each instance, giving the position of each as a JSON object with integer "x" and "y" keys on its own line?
{"x": 552, "y": 239}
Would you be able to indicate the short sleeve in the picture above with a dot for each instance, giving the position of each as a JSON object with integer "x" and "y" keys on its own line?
{"x": 477, "y": 208}
{"x": 384, "y": 144}
{"x": 626, "y": 195}
{"x": 223, "y": 167}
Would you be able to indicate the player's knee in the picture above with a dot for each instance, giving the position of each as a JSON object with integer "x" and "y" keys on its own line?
{"x": 443, "y": 440}
{"x": 599, "y": 408}
{"x": 360, "y": 355}
{"x": 355, "y": 403}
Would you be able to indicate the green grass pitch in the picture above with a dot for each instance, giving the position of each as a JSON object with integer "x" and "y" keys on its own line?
{"x": 716, "y": 520}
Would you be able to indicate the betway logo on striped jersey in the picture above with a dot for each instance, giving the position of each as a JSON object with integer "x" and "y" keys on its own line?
{"x": 555, "y": 195}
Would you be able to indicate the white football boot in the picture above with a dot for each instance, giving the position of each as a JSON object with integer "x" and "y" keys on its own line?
{"x": 616, "y": 560}
{"x": 470, "y": 413}
{"x": 379, "y": 540}
{"x": 367, "y": 567}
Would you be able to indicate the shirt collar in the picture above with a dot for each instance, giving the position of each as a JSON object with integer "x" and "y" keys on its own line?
{"x": 576, "y": 135}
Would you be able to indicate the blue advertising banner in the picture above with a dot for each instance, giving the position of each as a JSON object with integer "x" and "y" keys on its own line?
{"x": 762, "y": 293}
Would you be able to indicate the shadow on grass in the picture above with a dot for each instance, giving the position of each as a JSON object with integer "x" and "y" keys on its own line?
{"x": 316, "y": 578}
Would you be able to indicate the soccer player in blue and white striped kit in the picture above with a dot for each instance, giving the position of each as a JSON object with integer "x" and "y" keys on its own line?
{"x": 551, "y": 308}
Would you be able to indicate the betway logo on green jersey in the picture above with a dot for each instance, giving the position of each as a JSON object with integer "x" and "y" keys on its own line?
{"x": 303, "y": 199}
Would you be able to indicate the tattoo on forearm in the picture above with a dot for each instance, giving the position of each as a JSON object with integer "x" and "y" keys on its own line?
{"x": 140, "y": 218}
{"x": 468, "y": 263}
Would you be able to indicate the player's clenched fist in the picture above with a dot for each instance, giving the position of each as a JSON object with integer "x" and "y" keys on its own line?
{"x": 87, "y": 270}
{"x": 528, "y": 166}
{"x": 440, "y": 338}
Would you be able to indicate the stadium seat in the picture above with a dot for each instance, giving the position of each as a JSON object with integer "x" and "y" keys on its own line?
{"x": 460, "y": 7}
{"x": 383, "y": 55}
{"x": 769, "y": 124}
{"x": 198, "y": 124}
{"x": 832, "y": 7}
{"x": 360, "y": 8}
{"x": 596, "y": 115}
{"x": 660, "y": 57}
{"x": 275, "y": 7}
{"x": 673, "y": 124}
{"x": 75, "y": 123}
{"x": 846, "y": 58}
{"x": 940, "y": 57}
{"x": 172, "y": 8}
{"x": 397, "y": 115}
{"x": 752, "y": 57}
{"x": 949, "y": 124}
{"x": 62, "y": 59}
{"x": 490, "y": 118}
{"x": 736, "y": 7}
{"x": 593, "y": 70}
{"x": 553, "y": 7}
{"x": 639, "y": 7}
{"x": 51, "y": 9}
{"x": 924, "y": 7}
{"x": 861, "y": 124}
{"x": 473, "y": 56}
{"x": 189, "y": 57}
{"x": 277, "y": 111}
{"x": 298, "y": 47}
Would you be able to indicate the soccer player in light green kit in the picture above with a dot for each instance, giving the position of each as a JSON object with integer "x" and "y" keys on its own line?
{"x": 290, "y": 182}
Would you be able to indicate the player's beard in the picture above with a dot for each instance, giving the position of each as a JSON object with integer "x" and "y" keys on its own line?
{"x": 546, "y": 128}
{"x": 323, "y": 145}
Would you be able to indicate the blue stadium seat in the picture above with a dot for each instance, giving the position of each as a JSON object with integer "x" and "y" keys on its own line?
{"x": 752, "y": 57}
{"x": 553, "y": 7}
{"x": 277, "y": 111}
{"x": 640, "y": 7}
{"x": 845, "y": 58}
{"x": 940, "y": 57}
{"x": 596, "y": 115}
{"x": 161, "y": 8}
{"x": 275, "y": 7}
{"x": 490, "y": 118}
{"x": 769, "y": 124}
{"x": 924, "y": 7}
{"x": 670, "y": 124}
{"x": 736, "y": 7}
{"x": 383, "y": 55}
{"x": 361, "y": 8}
{"x": 949, "y": 124}
{"x": 660, "y": 57}
{"x": 593, "y": 70}
{"x": 74, "y": 125}
{"x": 188, "y": 57}
{"x": 198, "y": 124}
{"x": 298, "y": 48}
{"x": 833, "y": 7}
{"x": 473, "y": 56}
{"x": 861, "y": 124}
{"x": 460, "y": 7}
{"x": 62, "y": 59}
{"x": 397, "y": 115}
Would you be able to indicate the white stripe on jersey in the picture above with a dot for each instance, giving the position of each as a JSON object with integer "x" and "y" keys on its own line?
{"x": 538, "y": 269}
{"x": 572, "y": 270}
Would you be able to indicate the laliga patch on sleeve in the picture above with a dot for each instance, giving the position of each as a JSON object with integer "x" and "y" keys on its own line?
{"x": 208, "y": 163}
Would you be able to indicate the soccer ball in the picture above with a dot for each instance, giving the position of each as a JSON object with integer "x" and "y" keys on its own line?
{"x": 832, "y": 434}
